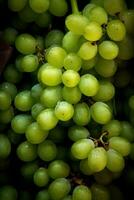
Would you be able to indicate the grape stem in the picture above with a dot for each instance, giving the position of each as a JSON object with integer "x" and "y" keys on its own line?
{"x": 74, "y": 6}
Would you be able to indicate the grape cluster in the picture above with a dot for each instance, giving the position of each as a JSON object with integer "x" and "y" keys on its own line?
{"x": 61, "y": 121}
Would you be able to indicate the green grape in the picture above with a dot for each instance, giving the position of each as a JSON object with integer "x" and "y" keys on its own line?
{"x": 100, "y": 192}
{"x": 89, "y": 64}
{"x": 81, "y": 191}
{"x": 26, "y": 151}
{"x": 113, "y": 128}
{"x": 5, "y": 146}
{"x": 76, "y": 23}
{"x": 43, "y": 20}
{"x": 39, "y": 6}
{"x": 47, "y": 119}
{"x": 10, "y": 88}
{"x": 88, "y": 85}
{"x": 42, "y": 195}
{"x": 29, "y": 63}
{"x": 35, "y": 134}
{"x": 70, "y": 78}
{"x": 97, "y": 2}
{"x": 71, "y": 95}
{"x": 115, "y": 6}
{"x": 126, "y": 48}
{"x": 103, "y": 177}
{"x": 131, "y": 102}
{"x": 68, "y": 197}
{"x": 84, "y": 167}
{"x": 36, "y": 109}
{"x": 115, "y": 161}
{"x": 50, "y": 96}
{"x": 101, "y": 112}
{"x": 57, "y": 134}
{"x": 127, "y": 131}
{"x": 41, "y": 177}
{"x": 106, "y": 91}
{"x": 76, "y": 133}
{"x": 127, "y": 17}
{"x": 97, "y": 159}
{"x": 55, "y": 56}
{"x": 58, "y": 7}
{"x": 12, "y": 75}
{"x": 24, "y": 101}
{"x": 47, "y": 150}
{"x": 6, "y": 115}
{"x": 8, "y": 192}
{"x": 50, "y": 76}
{"x": 105, "y": 68}
{"x": 5, "y": 100}
{"x": 93, "y": 31}
{"x": 120, "y": 144}
{"x": 82, "y": 114}
{"x": 70, "y": 42}
{"x": 14, "y": 137}
{"x": 28, "y": 169}
{"x": 27, "y": 14}
{"x": 36, "y": 91}
{"x": 58, "y": 169}
{"x": 20, "y": 123}
{"x": 87, "y": 50}
{"x": 87, "y": 9}
{"x": 116, "y": 30}
{"x": 59, "y": 188}
{"x": 15, "y": 6}
{"x": 64, "y": 111}
{"x": 9, "y": 35}
{"x": 98, "y": 14}
{"x": 108, "y": 50}
{"x": 40, "y": 42}
{"x": 25, "y": 43}
{"x": 72, "y": 61}
{"x": 54, "y": 37}
{"x": 82, "y": 148}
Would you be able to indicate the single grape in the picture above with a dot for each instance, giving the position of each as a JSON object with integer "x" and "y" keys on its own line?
{"x": 5, "y": 100}
{"x": 115, "y": 161}
{"x": 25, "y": 43}
{"x": 27, "y": 14}
{"x": 47, "y": 119}
{"x": 58, "y": 169}
{"x": 58, "y": 8}
{"x": 76, "y": 23}
{"x": 114, "y": 7}
{"x": 15, "y": 6}
{"x": 81, "y": 148}
{"x": 47, "y": 150}
{"x": 116, "y": 30}
{"x": 72, "y": 61}
{"x": 97, "y": 159}
{"x": 55, "y": 56}
{"x": 9, "y": 35}
{"x": 59, "y": 188}
{"x": 5, "y": 146}
{"x": 39, "y": 6}
{"x": 82, "y": 114}
{"x": 108, "y": 50}
{"x": 120, "y": 144}
{"x": 93, "y": 31}
{"x": 8, "y": 192}
{"x": 54, "y": 37}
{"x": 41, "y": 177}
{"x": 70, "y": 78}
{"x": 64, "y": 111}
{"x": 71, "y": 95}
{"x": 35, "y": 134}
{"x": 10, "y": 88}
{"x": 88, "y": 85}
{"x": 100, "y": 192}
{"x": 113, "y": 128}
{"x": 76, "y": 133}
{"x": 81, "y": 191}
{"x": 26, "y": 151}
{"x": 43, "y": 19}
{"x": 101, "y": 112}
{"x": 87, "y": 50}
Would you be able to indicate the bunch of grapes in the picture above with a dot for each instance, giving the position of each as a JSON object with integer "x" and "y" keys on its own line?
{"x": 67, "y": 101}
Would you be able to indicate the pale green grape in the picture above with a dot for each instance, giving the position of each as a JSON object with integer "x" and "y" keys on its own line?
{"x": 87, "y": 50}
